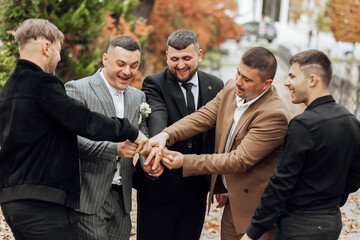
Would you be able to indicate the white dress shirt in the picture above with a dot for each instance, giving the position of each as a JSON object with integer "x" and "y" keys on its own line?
{"x": 194, "y": 89}
{"x": 118, "y": 100}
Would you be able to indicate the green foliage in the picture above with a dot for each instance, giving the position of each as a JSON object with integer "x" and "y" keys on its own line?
{"x": 81, "y": 21}
{"x": 11, "y": 14}
{"x": 7, "y": 64}
{"x": 14, "y": 12}
{"x": 123, "y": 7}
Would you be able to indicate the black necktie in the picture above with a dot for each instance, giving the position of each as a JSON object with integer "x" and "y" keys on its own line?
{"x": 189, "y": 97}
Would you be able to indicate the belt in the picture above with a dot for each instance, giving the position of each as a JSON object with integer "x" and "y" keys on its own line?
{"x": 117, "y": 188}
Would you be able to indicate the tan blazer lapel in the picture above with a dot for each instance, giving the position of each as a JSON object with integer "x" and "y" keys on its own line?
{"x": 247, "y": 114}
{"x": 239, "y": 125}
{"x": 227, "y": 119}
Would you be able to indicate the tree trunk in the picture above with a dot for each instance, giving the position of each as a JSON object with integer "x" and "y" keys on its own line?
{"x": 144, "y": 9}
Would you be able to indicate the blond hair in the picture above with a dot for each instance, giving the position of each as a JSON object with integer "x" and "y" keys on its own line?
{"x": 37, "y": 28}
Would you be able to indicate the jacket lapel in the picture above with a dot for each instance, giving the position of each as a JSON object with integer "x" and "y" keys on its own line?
{"x": 227, "y": 121}
{"x": 102, "y": 93}
{"x": 249, "y": 112}
{"x": 206, "y": 89}
{"x": 129, "y": 108}
{"x": 176, "y": 93}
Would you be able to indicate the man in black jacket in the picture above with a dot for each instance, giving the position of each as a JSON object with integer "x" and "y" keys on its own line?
{"x": 320, "y": 165}
{"x": 39, "y": 124}
{"x": 173, "y": 207}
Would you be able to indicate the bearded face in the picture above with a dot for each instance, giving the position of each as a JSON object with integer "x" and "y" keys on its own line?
{"x": 183, "y": 63}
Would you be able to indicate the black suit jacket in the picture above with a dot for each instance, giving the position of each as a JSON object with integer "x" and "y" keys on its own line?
{"x": 168, "y": 105}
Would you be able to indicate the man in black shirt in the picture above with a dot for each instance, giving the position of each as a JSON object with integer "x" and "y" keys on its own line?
{"x": 39, "y": 124}
{"x": 320, "y": 165}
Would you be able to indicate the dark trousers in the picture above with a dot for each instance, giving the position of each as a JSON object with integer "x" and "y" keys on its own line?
{"x": 38, "y": 220}
{"x": 310, "y": 225}
{"x": 180, "y": 218}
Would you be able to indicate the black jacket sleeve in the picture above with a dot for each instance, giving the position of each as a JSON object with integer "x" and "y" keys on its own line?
{"x": 76, "y": 117}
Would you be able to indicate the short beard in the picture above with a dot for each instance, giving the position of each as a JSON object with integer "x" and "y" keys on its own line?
{"x": 191, "y": 75}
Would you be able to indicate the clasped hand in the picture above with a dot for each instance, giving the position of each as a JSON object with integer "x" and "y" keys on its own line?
{"x": 159, "y": 154}
{"x": 142, "y": 146}
{"x": 128, "y": 149}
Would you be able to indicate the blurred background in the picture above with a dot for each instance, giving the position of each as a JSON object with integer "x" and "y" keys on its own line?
{"x": 222, "y": 26}
{"x": 225, "y": 28}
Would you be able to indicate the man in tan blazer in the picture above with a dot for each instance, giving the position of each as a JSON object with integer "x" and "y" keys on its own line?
{"x": 251, "y": 121}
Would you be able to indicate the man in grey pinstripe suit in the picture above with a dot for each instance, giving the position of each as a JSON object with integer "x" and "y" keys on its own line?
{"x": 107, "y": 167}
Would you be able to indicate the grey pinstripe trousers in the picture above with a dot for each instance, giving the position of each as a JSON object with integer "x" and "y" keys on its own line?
{"x": 109, "y": 223}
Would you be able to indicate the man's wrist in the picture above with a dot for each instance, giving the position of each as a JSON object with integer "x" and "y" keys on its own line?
{"x": 167, "y": 137}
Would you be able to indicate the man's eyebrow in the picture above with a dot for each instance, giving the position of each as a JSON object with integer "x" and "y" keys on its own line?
{"x": 122, "y": 61}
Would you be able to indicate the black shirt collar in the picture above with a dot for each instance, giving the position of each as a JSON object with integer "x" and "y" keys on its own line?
{"x": 22, "y": 63}
{"x": 320, "y": 100}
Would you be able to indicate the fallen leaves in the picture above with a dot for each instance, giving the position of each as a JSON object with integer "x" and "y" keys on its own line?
{"x": 211, "y": 230}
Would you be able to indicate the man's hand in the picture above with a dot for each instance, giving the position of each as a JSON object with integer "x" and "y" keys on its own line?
{"x": 172, "y": 159}
{"x": 157, "y": 172}
{"x": 143, "y": 144}
{"x": 246, "y": 237}
{"x": 148, "y": 164}
{"x": 158, "y": 141}
{"x": 222, "y": 199}
{"x": 126, "y": 149}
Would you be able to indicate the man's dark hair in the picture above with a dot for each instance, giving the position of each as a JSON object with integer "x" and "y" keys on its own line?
{"x": 262, "y": 59}
{"x": 125, "y": 42}
{"x": 181, "y": 39}
{"x": 314, "y": 62}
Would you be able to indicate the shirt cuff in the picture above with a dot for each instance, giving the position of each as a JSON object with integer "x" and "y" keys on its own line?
{"x": 255, "y": 232}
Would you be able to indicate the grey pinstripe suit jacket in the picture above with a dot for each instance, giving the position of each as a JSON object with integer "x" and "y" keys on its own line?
{"x": 98, "y": 159}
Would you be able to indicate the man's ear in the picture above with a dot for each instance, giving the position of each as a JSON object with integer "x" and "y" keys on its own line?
{"x": 314, "y": 80}
{"x": 267, "y": 83}
{"x": 45, "y": 48}
{"x": 104, "y": 59}
{"x": 200, "y": 55}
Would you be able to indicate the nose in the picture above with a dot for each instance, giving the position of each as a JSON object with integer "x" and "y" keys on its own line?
{"x": 127, "y": 70}
{"x": 239, "y": 80}
{"x": 181, "y": 64}
{"x": 287, "y": 82}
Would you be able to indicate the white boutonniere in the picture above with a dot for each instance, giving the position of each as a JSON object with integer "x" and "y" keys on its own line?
{"x": 145, "y": 111}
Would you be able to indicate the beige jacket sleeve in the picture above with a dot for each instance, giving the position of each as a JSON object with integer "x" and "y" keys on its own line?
{"x": 259, "y": 132}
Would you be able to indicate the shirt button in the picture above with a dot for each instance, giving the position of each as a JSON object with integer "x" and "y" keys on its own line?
{"x": 189, "y": 145}
{"x": 246, "y": 190}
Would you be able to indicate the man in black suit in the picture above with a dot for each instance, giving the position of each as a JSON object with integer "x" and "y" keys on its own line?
{"x": 173, "y": 207}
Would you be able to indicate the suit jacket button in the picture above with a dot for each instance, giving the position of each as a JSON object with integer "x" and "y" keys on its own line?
{"x": 189, "y": 145}
{"x": 246, "y": 190}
